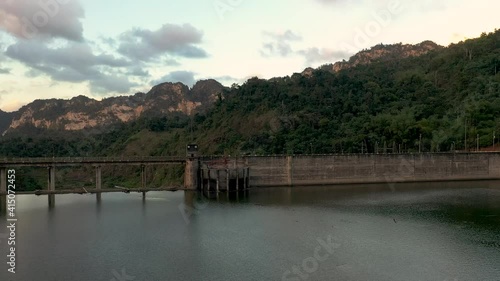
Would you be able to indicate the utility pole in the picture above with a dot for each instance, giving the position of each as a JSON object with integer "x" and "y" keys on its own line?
{"x": 420, "y": 144}
{"x": 477, "y": 141}
{"x": 494, "y": 137}
{"x": 465, "y": 141}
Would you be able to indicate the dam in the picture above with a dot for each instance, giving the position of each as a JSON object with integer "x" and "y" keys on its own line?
{"x": 219, "y": 173}
{"x": 310, "y": 170}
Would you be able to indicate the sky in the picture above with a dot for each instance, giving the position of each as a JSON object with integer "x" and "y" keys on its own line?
{"x": 104, "y": 48}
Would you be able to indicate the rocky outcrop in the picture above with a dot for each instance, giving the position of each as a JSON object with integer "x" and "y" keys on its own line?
{"x": 85, "y": 113}
{"x": 384, "y": 53}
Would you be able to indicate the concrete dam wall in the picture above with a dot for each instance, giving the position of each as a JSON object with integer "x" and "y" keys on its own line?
{"x": 268, "y": 171}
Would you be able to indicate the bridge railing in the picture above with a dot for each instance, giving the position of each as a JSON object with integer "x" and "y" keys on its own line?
{"x": 71, "y": 160}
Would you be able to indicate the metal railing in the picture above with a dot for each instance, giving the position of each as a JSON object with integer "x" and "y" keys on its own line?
{"x": 92, "y": 160}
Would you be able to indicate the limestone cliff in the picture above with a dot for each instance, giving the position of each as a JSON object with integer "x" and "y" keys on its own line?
{"x": 85, "y": 113}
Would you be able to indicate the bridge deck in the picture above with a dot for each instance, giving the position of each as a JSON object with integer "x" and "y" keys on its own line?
{"x": 78, "y": 161}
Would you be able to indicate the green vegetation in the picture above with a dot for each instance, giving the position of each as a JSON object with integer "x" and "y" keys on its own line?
{"x": 382, "y": 104}
{"x": 367, "y": 108}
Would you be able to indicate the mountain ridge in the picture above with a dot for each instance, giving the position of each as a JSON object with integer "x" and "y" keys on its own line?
{"x": 81, "y": 112}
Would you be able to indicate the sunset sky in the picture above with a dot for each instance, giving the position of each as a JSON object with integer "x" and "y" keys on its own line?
{"x": 103, "y": 48}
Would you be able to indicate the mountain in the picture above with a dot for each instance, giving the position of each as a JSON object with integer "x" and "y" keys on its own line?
{"x": 381, "y": 53}
{"x": 85, "y": 113}
{"x": 432, "y": 100}
{"x": 382, "y": 98}
{"x": 395, "y": 98}
{"x": 5, "y": 120}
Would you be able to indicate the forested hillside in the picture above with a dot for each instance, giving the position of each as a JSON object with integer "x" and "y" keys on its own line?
{"x": 435, "y": 101}
{"x": 382, "y": 104}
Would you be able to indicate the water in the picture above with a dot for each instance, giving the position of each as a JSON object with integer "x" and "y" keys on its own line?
{"x": 439, "y": 231}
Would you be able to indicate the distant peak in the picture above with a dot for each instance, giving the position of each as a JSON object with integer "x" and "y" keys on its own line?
{"x": 383, "y": 52}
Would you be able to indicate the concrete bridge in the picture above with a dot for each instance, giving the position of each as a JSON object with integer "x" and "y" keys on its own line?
{"x": 98, "y": 162}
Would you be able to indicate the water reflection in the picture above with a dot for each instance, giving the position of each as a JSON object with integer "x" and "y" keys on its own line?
{"x": 98, "y": 197}
{"x": 232, "y": 196}
{"x": 415, "y": 232}
{"x": 52, "y": 201}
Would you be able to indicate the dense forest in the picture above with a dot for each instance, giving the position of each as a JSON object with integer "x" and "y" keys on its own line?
{"x": 436, "y": 102}
{"x": 447, "y": 99}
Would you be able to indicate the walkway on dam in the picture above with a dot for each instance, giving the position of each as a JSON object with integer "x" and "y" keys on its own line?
{"x": 77, "y": 161}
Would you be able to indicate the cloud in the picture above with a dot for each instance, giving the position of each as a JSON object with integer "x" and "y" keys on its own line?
{"x": 185, "y": 77}
{"x": 174, "y": 40}
{"x": 340, "y": 2}
{"x": 280, "y": 46}
{"x": 314, "y": 55}
{"x": 74, "y": 62}
{"x": 138, "y": 71}
{"x": 4, "y": 71}
{"x": 227, "y": 80}
{"x": 279, "y": 43}
{"x": 44, "y": 18}
{"x": 113, "y": 83}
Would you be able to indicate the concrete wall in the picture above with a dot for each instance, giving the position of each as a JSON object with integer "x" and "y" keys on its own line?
{"x": 341, "y": 169}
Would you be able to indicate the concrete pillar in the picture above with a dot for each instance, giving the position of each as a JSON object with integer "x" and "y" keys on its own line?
{"x": 209, "y": 180}
{"x": 191, "y": 174}
{"x": 98, "y": 177}
{"x": 51, "y": 182}
{"x": 203, "y": 178}
{"x": 218, "y": 180}
{"x": 245, "y": 180}
{"x": 143, "y": 176}
{"x": 3, "y": 179}
{"x": 227, "y": 179}
{"x": 237, "y": 179}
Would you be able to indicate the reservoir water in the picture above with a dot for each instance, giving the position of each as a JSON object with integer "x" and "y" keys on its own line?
{"x": 424, "y": 231}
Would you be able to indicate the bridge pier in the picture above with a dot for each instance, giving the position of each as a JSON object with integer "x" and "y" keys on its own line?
{"x": 143, "y": 176}
{"x": 51, "y": 182}
{"x": 191, "y": 174}
{"x": 98, "y": 178}
{"x": 237, "y": 179}
{"x": 246, "y": 173}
